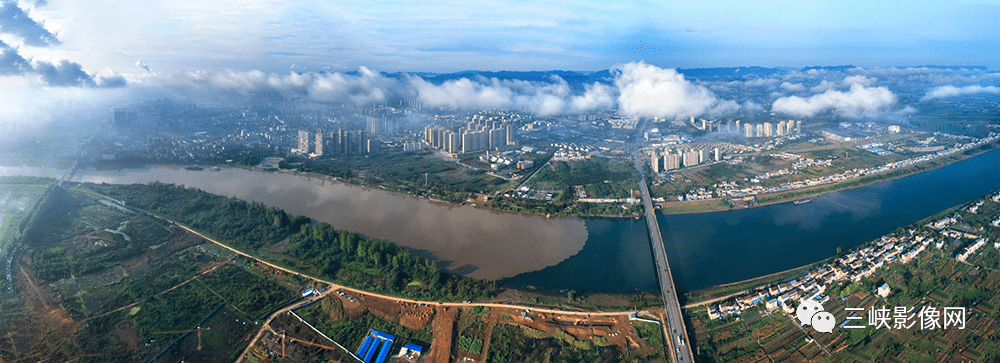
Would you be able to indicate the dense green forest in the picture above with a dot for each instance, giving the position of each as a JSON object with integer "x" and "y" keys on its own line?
{"x": 316, "y": 248}
{"x": 246, "y": 225}
{"x": 377, "y": 265}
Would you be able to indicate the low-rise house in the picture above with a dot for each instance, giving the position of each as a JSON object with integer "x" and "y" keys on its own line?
{"x": 883, "y": 290}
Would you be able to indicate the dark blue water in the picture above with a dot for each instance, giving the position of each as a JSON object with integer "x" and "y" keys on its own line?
{"x": 709, "y": 249}
{"x": 616, "y": 258}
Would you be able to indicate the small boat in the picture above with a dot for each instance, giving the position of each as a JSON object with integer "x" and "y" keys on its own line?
{"x": 215, "y": 168}
{"x": 192, "y": 167}
{"x": 803, "y": 201}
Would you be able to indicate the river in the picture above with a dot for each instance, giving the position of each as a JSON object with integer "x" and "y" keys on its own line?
{"x": 475, "y": 242}
{"x": 595, "y": 254}
{"x": 708, "y": 249}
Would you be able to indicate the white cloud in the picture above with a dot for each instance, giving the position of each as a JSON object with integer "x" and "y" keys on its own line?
{"x": 792, "y": 87}
{"x": 761, "y": 82}
{"x": 719, "y": 88}
{"x": 952, "y": 91}
{"x": 462, "y": 93}
{"x": 649, "y": 91}
{"x": 365, "y": 86}
{"x": 859, "y": 79}
{"x": 723, "y": 108}
{"x": 597, "y": 96}
{"x": 859, "y": 101}
{"x": 541, "y": 98}
{"x": 823, "y": 86}
{"x": 751, "y": 106}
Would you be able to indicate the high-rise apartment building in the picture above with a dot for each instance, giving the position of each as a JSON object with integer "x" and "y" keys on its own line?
{"x": 671, "y": 161}
{"x": 319, "y": 144}
{"x": 690, "y": 158}
{"x": 303, "y": 142}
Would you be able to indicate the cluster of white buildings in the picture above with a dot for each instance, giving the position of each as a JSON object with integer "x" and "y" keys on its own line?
{"x": 678, "y": 158}
{"x": 339, "y": 142}
{"x": 943, "y": 222}
{"x": 851, "y": 267}
{"x": 570, "y": 151}
{"x": 801, "y": 162}
{"x": 948, "y": 221}
{"x": 619, "y": 122}
{"x": 477, "y": 135}
{"x": 500, "y": 161}
{"x": 850, "y": 174}
{"x": 766, "y": 129}
{"x": 697, "y": 194}
{"x": 972, "y": 249}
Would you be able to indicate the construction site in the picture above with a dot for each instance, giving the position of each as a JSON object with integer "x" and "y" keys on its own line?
{"x": 335, "y": 326}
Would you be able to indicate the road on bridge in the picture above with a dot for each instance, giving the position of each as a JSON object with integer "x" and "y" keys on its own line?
{"x": 677, "y": 334}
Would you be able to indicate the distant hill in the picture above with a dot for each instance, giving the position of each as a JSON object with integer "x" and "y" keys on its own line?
{"x": 578, "y": 78}
{"x": 737, "y": 72}
{"x": 955, "y": 68}
{"x": 829, "y": 68}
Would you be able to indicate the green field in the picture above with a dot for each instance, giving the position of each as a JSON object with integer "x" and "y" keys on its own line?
{"x": 329, "y": 317}
{"x": 418, "y": 173}
{"x": 510, "y": 343}
{"x": 123, "y": 278}
{"x": 558, "y": 175}
{"x": 599, "y": 177}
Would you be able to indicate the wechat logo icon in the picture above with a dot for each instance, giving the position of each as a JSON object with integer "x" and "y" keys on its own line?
{"x": 823, "y": 322}
{"x": 810, "y": 312}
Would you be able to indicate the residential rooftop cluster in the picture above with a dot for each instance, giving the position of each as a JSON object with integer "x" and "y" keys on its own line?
{"x": 852, "y": 267}
{"x": 744, "y": 191}
{"x": 857, "y": 265}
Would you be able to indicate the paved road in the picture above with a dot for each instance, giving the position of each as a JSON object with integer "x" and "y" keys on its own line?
{"x": 677, "y": 334}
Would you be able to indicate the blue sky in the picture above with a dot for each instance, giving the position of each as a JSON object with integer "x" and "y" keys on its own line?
{"x": 108, "y": 52}
{"x": 485, "y": 35}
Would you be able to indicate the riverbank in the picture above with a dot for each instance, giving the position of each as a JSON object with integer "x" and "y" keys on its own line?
{"x": 721, "y": 292}
{"x": 717, "y": 205}
{"x": 578, "y": 209}
{"x": 479, "y": 202}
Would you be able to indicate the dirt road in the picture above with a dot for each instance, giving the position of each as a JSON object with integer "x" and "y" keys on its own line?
{"x": 267, "y": 323}
{"x": 389, "y": 297}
